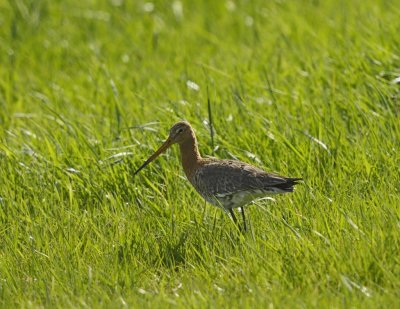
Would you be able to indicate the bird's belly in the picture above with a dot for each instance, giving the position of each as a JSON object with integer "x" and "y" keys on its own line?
{"x": 237, "y": 199}
{"x": 210, "y": 198}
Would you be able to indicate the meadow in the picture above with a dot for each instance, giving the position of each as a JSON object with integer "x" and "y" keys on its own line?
{"x": 89, "y": 89}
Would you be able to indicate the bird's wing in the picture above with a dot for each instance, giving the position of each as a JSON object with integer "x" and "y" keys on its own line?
{"x": 219, "y": 177}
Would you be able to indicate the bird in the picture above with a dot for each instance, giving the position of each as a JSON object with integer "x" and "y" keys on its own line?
{"x": 224, "y": 183}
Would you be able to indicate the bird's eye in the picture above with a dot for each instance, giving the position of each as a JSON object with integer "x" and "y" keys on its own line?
{"x": 179, "y": 130}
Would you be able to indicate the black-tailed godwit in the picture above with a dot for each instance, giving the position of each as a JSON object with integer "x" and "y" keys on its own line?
{"x": 228, "y": 184}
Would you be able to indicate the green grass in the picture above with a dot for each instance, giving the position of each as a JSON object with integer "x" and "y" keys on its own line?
{"x": 302, "y": 88}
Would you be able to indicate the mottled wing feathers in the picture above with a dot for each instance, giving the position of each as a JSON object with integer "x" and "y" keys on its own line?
{"x": 220, "y": 177}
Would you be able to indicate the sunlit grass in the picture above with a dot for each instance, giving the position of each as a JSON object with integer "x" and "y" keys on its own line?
{"x": 302, "y": 88}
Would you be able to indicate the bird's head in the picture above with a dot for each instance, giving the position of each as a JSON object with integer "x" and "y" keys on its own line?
{"x": 178, "y": 134}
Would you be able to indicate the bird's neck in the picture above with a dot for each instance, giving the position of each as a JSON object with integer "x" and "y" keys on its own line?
{"x": 190, "y": 155}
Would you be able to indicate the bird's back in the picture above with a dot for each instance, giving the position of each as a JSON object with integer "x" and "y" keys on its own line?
{"x": 233, "y": 184}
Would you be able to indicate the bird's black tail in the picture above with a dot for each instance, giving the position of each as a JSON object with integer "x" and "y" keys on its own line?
{"x": 288, "y": 186}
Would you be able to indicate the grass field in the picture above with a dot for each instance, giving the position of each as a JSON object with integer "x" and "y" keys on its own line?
{"x": 88, "y": 89}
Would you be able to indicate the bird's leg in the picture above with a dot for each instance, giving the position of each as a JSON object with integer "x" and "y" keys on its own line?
{"x": 233, "y": 215}
{"x": 244, "y": 219}
{"x": 204, "y": 211}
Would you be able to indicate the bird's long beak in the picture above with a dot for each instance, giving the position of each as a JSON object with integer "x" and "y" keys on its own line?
{"x": 159, "y": 151}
